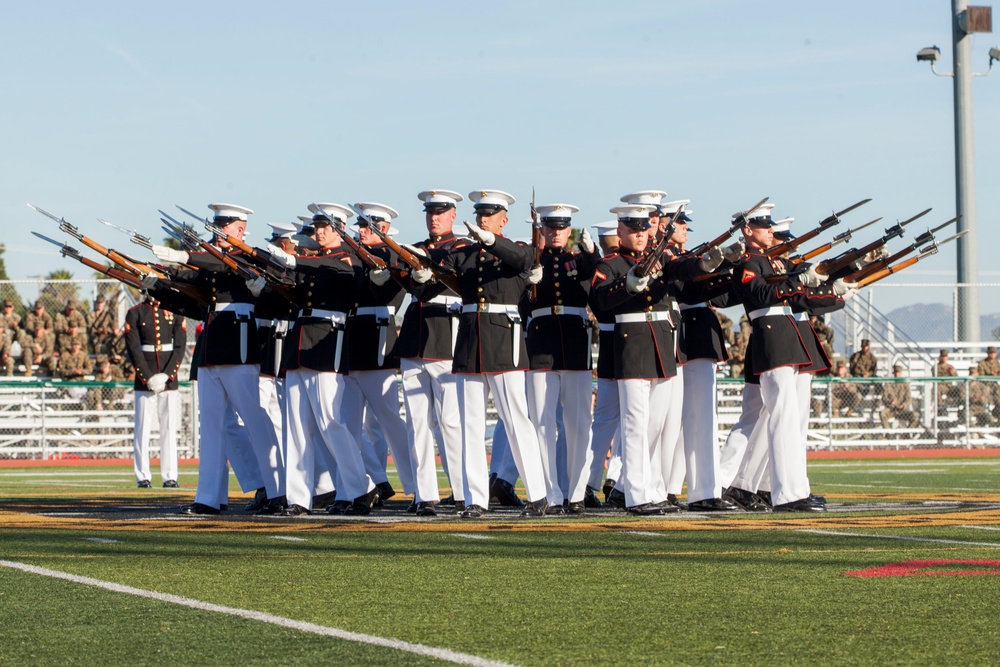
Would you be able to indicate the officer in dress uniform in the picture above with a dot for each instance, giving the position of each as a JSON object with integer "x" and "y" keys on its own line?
{"x": 371, "y": 379}
{"x": 425, "y": 348}
{"x": 644, "y": 350}
{"x": 155, "y": 340}
{"x": 315, "y": 362}
{"x": 558, "y": 341}
{"x": 229, "y": 375}
{"x": 701, "y": 346}
{"x": 490, "y": 356}
{"x": 779, "y": 354}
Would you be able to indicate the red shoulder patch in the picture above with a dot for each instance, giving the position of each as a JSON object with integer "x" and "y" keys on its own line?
{"x": 597, "y": 276}
{"x": 128, "y": 327}
{"x": 748, "y": 275}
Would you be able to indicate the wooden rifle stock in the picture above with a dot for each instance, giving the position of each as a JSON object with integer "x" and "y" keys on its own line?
{"x": 887, "y": 271}
{"x": 415, "y": 262}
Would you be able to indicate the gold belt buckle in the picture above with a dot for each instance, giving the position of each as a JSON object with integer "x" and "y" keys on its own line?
{"x": 483, "y": 307}
{"x": 558, "y": 310}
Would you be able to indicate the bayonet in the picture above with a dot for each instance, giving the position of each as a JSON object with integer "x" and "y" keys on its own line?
{"x": 134, "y": 236}
{"x": 739, "y": 220}
{"x": 927, "y": 251}
{"x": 824, "y": 224}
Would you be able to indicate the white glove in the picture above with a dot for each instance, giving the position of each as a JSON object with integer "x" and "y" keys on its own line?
{"x": 421, "y": 276}
{"x": 849, "y": 294}
{"x": 711, "y": 260}
{"x": 634, "y": 284}
{"x": 535, "y": 275}
{"x": 810, "y": 278}
{"x": 165, "y": 254}
{"x": 419, "y": 252}
{"x": 840, "y": 288}
{"x": 734, "y": 252}
{"x": 157, "y": 383}
{"x": 149, "y": 281}
{"x": 281, "y": 257}
{"x": 586, "y": 243}
{"x": 256, "y": 285}
{"x": 481, "y": 235}
{"x": 379, "y": 277}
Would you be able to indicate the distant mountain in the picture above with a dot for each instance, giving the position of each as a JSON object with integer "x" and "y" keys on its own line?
{"x": 933, "y": 322}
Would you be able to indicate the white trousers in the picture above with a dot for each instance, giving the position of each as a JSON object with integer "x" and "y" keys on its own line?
{"x": 240, "y": 454}
{"x": 700, "y": 428}
{"x": 644, "y": 405}
{"x": 739, "y": 436}
{"x": 502, "y": 462}
{"x": 219, "y": 387}
{"x": 668, "y": 459}
{"x": 313, "y": 402}
{"x": 164, "y": 406}
{"x": 271, "y": 401}
{"x": 378, "y": 392}
{"x": 509, "y": 396}
{"x": 546, "y": 391}
{"x": 781, "y": 392}
{"x": 430, "y": 392}
{"x": 606, "y": 432}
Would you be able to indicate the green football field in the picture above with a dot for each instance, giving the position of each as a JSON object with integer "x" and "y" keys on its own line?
{"x": 902, "y": 570}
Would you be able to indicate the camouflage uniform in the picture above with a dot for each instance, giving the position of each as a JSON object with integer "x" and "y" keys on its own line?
{"x": 844, "y": 394}
{"x": 101, "y": 327}
{"x": 37, "y": 319}
{"x": 120, "y": 358}
{"x": 70, "y": 327}
{"x": 896, "y": 402}
{"x": 727, "y": 326}
{"x": 979, "y": 402}
{"x": 988, "y": 369}
{"x": 41, "y": 352}
{"x": 737, "y": 356}
{"x": 863, "y": 364}
{"x": 13, "y": 333}
{"x": 103, "y": 398}
{"x": 949, "y": 394}
{"x": 74, "y": 364}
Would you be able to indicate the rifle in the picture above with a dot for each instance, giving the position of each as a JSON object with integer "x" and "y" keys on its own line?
{"x": 68, "y": 251}
{"x": 536, "y": 243}
{"x": 645, "y": 266}
{"x": 132, "y": 265}
{"x": 363, "y": 254}
{"x": 134, "y": 236}
{"x": 879, "y": 264}
{"x": 826, "y": 223}
{"x": 449, "y": 280}
{"x": 836, "y": 240}
{"x": 740, "y": 220}
{"x": 906, "y": 263}
{"x": 253, "y": 255}
{"x": 829, "y": 266}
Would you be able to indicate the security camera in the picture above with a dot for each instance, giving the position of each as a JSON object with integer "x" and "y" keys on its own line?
{"x": 929, "y": 54}
{"x": 995, "y": 53}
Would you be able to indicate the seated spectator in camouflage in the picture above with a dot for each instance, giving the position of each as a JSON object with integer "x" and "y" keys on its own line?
{"x": 949, "y": 394}
{"x": 897, "y": 402}
{"x": 120, "y": 359}
{"x": 102, "y": 326}
{"x": 845, "y": 394}
{"x": 103, "y": 398}
{"x": 74, "y": 364}
{"x": 737, "y": 356}
{"x": 6, "y": 353}
{"x": 863, "y": 362}
{"x": 70, "y": 326}
{"x": 979, "y": 402}
{"x": 37, "y": 319}
{"x": 41, "y": 353}
{"x": 989, "y": 368}
{"x": 725, "y": 323}
{"x": 19, "y": 339}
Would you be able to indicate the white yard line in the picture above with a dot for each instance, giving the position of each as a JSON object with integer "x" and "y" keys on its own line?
{"x": 100, "y": 540}
{"x": 473, "y": 536}
{"x": 373, "y": 640}
{"x": 287, "y": 538}
{"x": 643, "y": 533}
{"x": 906, "y": 463}
{"x": 898, "y": 537}
{"x": 982, "y": 527}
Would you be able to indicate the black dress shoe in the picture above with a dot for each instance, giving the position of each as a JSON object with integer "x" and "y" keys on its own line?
{"x": 577, "y": 508}
{"x": 425, "y": 509}
{"x": 802, "y": 505}
{"x": 273, "y": 506}
{"x": 818, "y": 500}
{"x": 363, "y": 504}
{"x": 590, "y": 498}
{"x": 338, "y": 507}
{"x": 473, "y": 512}
{"x": 617, "y": 499}
{"x": 324, "y": 500}
{"x": 553, "y": 510}
{"x": 672, "y": 499}
{"x": 609, "y": 486}
{"x": 765, "y": 497}
{"x": 144, "y": 484}
{"x": 198, "y": 508}
{"x": 259, "y": 500}
{"x": 668, "y": 507}
{"x": 294, "y": 510}
{"x": 385, "y": 490}
{"x": 712, "y": 505}
{"x": 450, "y": 500}
{"x": 459, "y": 505}
{"x": 412, "y": 507}
{"x": 171, "y": 484}
{"x": 645, "y": 509}
{"x": 504, "y": 493}
{"x": 538, "y": 508}
{"x": 751, "y": 502}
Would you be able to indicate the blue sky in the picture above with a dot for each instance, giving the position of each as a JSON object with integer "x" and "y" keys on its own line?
{"x": 115, "y": 109}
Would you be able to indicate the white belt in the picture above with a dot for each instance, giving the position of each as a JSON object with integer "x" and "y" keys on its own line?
{"x": 502, "y": 309}
{"x": 261, "y": 322}
{"x": 689, "y": 306}
{"x": 158, "y": 348}
{"x": 281, "y": 327}
{"x": 650, "y": 316}
{"x": 800, "y": 317}
{"x": 606, "y": 326}
{"x": 559, "y": 310}
{"x": 383, "y": 315}
{"x": 377, "y": 311}
{"x": 445, "y": 300}
{"x": 238, "y": 308}
{"x": 767, "y": 312}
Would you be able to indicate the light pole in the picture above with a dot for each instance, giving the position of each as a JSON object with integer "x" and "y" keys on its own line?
{"x": 965, "y": 21}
